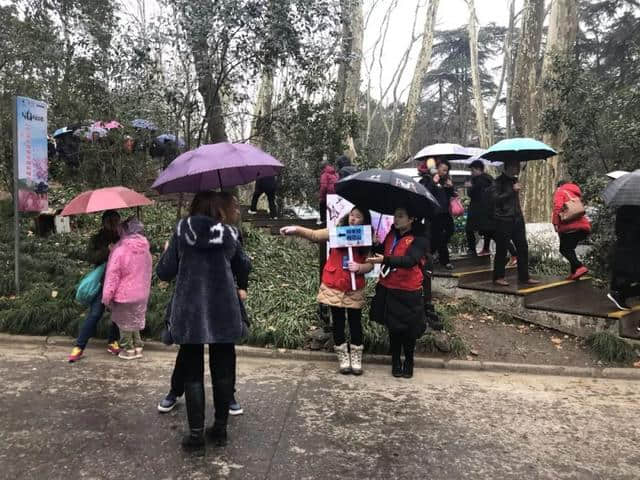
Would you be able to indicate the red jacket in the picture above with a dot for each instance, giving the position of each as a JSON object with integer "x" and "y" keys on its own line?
{"x": 408, "y": 279}
{"x": 328, "y": 180}
{"x": 335, "y": 276}
{"x": 561, "y": 195}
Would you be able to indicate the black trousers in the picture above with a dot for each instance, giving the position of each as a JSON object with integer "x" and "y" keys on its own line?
{"x": 399, "y": 343}
{"x": 512, "y": 230}
{"x": 340, "y": 316}
{"x": 568, "y": 243}
{"x": 487, "y": 236}
{"x": 442, "y": 229}
{"x": 323, "y": 210}
{"x": 271, "y": 197}
{"x": 189, "y": 367}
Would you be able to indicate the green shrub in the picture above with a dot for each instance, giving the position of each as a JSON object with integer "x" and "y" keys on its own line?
{"x": 610, "y": 348}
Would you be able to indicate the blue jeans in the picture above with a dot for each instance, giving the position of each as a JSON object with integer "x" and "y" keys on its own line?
{"x": 88, "y": 328}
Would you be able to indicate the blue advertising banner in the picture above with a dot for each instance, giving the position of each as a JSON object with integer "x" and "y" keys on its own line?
{"x": 31, "y": 154}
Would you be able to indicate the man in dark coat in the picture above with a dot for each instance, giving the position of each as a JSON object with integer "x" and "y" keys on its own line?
{"x": 269, "y": 187}
{"x": 626, "y": 264}
{"x": 510, "y": 225}
{"x": 344, "y": 167}
{"x": 442, "y": 228}
{"x": 479, "y": 218}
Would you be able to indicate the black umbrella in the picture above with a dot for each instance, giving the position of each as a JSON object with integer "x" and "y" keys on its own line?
{"x": 383, "y": 191}
{"x": 625, "y": 190}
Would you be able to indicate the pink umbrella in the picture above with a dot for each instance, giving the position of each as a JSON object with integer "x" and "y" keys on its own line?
{"x": 110, "y": 198}
{"x": 108, "y": 125}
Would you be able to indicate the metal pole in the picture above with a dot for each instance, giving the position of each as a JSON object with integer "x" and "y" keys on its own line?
{"x": 16, "y": 197}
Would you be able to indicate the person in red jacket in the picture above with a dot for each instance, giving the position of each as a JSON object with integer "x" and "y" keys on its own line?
{"x": 328, "y": 179}
{"x": 398, "y": 300}
{"x": 572, "y": 232}
{"x": 336, "y": 289}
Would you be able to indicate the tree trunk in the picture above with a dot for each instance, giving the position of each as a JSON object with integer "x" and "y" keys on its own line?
{"x": 352, "y": 88}
{"x": 261, "y": 123}
{"x": 481, "y": 126}
{"x": 209, "y": 90}
{"x": 541, "y": 176}
{"x": 348, "y": 85}
{"x": 506, "y": 74}
{"x": 525, "y": 79}
{"x": 402, "y": 148}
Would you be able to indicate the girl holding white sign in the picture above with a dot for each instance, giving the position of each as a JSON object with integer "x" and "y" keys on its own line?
{"x": 336, "y": 289}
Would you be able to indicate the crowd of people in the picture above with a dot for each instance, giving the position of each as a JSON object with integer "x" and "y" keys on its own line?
{"x": 205, "y": 259}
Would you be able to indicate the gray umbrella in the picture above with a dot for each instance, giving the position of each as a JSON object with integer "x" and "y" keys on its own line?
{"x": 625, "y": 190}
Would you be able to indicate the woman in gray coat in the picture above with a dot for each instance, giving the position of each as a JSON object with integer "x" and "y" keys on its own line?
{"x": 204, "y": 310}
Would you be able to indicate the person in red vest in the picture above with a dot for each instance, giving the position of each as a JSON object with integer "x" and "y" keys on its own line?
{"x": 398, "y": 300}
{"x": 570, "y": 232}
{"x": 336, "y": 289}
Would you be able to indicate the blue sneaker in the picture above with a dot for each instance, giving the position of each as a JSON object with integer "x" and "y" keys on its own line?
{"x": 235, "y": 408}
{"x": 168, "y": 403}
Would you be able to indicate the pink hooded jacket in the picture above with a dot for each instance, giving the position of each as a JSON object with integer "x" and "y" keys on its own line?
{"x": 128, "y": 275}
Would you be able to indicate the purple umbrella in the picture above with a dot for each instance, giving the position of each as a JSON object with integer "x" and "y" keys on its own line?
{"x": 219, "y": 165}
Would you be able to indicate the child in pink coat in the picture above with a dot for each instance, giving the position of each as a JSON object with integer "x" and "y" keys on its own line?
{"x": 127, "y": 284}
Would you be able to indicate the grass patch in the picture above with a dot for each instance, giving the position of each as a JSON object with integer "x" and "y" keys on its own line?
{"x": 610, "y": 348}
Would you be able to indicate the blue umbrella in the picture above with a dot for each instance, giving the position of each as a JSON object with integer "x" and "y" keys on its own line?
{"x": 522, "y": 149}
{"x": 143, "y": 124}
{"x": 169, "y": 137}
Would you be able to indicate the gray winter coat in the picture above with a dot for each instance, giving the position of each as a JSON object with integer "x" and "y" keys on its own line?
{"x": 205, "y": 307}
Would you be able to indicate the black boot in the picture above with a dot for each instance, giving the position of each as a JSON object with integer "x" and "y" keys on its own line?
{"x": 396, "y": 365}
{"x": 217, "y": 433}
{"x": 194, "y": 396}
{"x": 407, "y": 368}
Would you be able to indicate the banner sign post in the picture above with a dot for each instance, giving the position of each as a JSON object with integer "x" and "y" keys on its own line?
{"x": 30, "y": 164}
{"x": 349, "y": 237}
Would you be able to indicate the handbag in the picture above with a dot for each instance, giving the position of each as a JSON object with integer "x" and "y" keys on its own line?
{"x": 455, "y": 207}
{"x": 90, "y": 285}
{"x": 572, "y": 209}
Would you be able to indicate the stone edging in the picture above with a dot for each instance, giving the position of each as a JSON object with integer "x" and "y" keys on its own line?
{"x": 423, "y": 362}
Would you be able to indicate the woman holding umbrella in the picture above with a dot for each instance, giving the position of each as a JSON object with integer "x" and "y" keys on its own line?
{"x": 398, "y": 300}
{"x": 204, "y": 311}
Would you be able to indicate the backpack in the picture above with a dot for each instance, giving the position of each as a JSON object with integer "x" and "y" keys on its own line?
{"x": 90, "y": 285}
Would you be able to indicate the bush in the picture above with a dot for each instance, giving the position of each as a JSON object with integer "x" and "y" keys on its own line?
{"x": 610, "y": 348}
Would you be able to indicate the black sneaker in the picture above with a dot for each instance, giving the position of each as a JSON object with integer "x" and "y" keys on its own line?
{"x": 618, "y": 300}
{"x": 168, "y": 403}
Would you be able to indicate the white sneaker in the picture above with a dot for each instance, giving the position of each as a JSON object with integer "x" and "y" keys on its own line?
{"x": 343, "y": 358}
{"x": 138, "y": 351}
{"x": 252, "y": 212}
{"x": 356, "y": 359}
{"x": 318, "y": 222}
{"x": 127, "y": 354}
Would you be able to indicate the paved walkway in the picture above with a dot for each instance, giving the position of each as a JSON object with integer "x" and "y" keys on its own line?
{"x": 97, "y": 419}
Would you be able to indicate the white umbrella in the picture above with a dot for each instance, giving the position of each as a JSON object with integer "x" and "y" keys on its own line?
{"x": 443, "y": 151}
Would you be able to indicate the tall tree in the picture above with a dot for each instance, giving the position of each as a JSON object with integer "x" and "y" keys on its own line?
{"x": 481, "y": 126}
{"x": 402, "y": 148}
{"x": 541, "y": 176}
{"x": 525, "y": 76}
{"x": 353, "y": 66}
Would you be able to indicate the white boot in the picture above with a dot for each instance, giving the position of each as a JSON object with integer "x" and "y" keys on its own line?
{"x": 356, "y": 359}
{"x": 343, "y": 358}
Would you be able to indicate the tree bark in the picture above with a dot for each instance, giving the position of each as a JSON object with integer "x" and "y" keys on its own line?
{"x": 506, "y": 74}
{"x": 402, "y": 148}
{"x": 525, "y": 75}
{"x": 352, "y": 88}
{"x": 481, "y": 126}
{"x": 541, "y": 176}
{"x": 261, "y": 122}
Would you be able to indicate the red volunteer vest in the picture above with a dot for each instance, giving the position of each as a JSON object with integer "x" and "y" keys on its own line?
{"x": 409, "y": 279}
{"x": 337, "y": 277}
